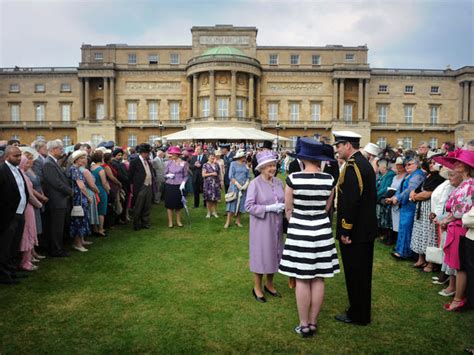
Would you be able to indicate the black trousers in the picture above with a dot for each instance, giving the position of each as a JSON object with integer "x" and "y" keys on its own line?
{"x": 197, "y": 189}
{"x": 10, "y": 240}
{"x": 142, "y": 207}
{"x": 469, "y": 267}
{"x": 56, "y": 229}
{"x": 358, "y": 260}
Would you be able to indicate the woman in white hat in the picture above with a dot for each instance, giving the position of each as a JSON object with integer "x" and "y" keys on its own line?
{"x": 372, "y": 151}
{"x": 239, "y": 181}
{"x": 400, "y": 172}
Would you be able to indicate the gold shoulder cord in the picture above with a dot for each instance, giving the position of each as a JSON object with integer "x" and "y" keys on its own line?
{"x": 340, "y": 181}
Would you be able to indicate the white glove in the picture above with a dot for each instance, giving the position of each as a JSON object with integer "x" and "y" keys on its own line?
{"x": 169, "y": 176}
{"x": 281, "y": 207}
{"x": 276, "y": 207}
{"x": 181, "y": 186}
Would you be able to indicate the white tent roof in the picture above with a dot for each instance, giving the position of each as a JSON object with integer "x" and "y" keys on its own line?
{"x": 223, "y": 133}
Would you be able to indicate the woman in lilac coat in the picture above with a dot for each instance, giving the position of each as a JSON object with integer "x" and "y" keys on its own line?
{"x": 265, "y": 203}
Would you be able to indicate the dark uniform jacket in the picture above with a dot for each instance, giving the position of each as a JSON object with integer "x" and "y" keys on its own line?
{"x": 137, "y": 175}
{"x": 356, "y": 201}
{"x": 10, "y": 196}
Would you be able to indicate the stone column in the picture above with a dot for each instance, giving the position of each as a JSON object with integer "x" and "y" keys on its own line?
{"x": 233, "y": 94}
{"x": 335, "y": 83}
{"x": 461, "y": 92}
{"x": 106, "y": 98}
{"x": 251, "y": 95}
{"x": 366, "y": 100}
{"x": 189, "y": 96}
{"x": 195, "y": 95}
{"x": 212, "y": 95}
{"x": 81, "y": 99}
{"x": 112, "y": 98}
{"x": 258, "y": 103}
{"x": 471, "y": 103}
{"x": 360, "y": 100}
{"x": 341, "y": 99}
{"x": 465, "y": 101}
{"x": 87, "y": 100}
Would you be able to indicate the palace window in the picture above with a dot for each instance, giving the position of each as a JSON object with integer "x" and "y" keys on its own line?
{"x": 294, "y": 111}
{"x": 65, "y": 87}
{"x": 408, "y": 111}
{"x": 152, "y": 139}
{"x": 350, "y": 57}
{"x": 383, "y": 88}
{"x": 66, "y": 112}
{"x": 407, "y": 142}
{"x": 40, "y": 88}
{"x": 315, "y": 112}
{"x": 205, "y": 107}
{"x": 96, "y": 139}
{"x": 316, "y": 59}
{"x": 240, "y": 109}
{"x": 174, "y": 58}
{"x": 434, "y": 114}
{"x": 15, "y": 112}
{"x": 132, "y": 110}
{"x": 434, "y": 90}
{"x": 348, "y": 113}
{"x": 132, "y": 140}
{"x": 174, "y": 110}
{"x": 222, "y": 107}
{"x": 98, "y": 56}
{"x": 382, "y": 112}
{"x": 40, "y": 112}
{"x": 153, "y": 59}
{"x": 382, "y": 142}
{"x": 132, "y": 58}
{"x": 273, "y": 111}
{"x": 153, "y": 110}
{"x": 409, "y": 89}
{"x": 273, "y": 59}
{"x": 433, "y": 142}
{"x": 14, "y": 87}
{"x": 67, "y": 141}
{"x": 293, "y": 141}
{"x": 295, "y": 59}
{"x": 99, "y": 111}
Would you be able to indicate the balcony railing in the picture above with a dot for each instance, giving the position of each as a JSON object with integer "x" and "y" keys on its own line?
{"x": 223, "y": 119}
{"x": 39, "y": 70}
{"x": 297, "y": 124}
{"x": 403, "y": 126}
{"x": 38, "y": 124}
{"x": 149, "y": 123}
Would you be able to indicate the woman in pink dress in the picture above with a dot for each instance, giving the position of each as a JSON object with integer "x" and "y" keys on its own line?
{"x": 30, "y": 238}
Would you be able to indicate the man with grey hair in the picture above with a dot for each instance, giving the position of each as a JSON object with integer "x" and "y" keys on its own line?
{"x": 423, "y": 149}
{"x": 40, "y": 146}
{"x": 58, "y": 188}
{"x": 159, "y": 167}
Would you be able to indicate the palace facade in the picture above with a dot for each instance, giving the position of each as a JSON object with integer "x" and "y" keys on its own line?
{"x": 131, "y": 94}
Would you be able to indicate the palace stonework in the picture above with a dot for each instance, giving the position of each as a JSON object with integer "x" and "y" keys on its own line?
{"x": 131, "y": 94}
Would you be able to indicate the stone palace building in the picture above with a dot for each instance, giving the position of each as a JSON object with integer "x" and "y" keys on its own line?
{"x": 131, "y": 94}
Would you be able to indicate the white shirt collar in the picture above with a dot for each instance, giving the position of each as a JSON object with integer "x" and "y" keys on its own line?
{"x": 56, "y": 160}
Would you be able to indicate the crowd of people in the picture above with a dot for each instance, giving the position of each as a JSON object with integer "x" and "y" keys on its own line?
{"x": 419, "y": 202}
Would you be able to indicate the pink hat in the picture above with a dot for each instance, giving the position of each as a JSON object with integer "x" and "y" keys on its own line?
{"x": 264, "y": 157}
{"x": 174, "y": 150}
{"x": 461, "y": 155}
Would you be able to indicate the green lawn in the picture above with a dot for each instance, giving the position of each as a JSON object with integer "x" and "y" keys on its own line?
{"x": 189, "y": 290}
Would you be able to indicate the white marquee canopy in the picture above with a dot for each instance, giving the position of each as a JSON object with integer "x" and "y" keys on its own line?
{"x": 223, "y": 133}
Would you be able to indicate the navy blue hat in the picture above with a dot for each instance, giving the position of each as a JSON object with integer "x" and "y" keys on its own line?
{"x": 101, "y": 144}
{"x": 313, "y": 150}
{"x": 109, "y": 145}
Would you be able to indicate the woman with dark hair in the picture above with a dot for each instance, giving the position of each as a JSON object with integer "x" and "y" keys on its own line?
{"x": 101, "y": 182}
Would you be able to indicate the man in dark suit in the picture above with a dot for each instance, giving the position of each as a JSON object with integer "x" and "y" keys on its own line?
{"x": 141, "y": 177}
{"x": 228, "y": 157}
{"x": 14, "y": 198}
{"x": 196, "y": 163}
{"x": 356, "y": 226}
{"x": 58, "y": 188}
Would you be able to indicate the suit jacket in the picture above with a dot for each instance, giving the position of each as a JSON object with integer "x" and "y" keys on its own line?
{"x": 38, "y": 166}
{"x": 227, "y": 161}
{"x": 159, "y": 166}
{"x": 137, "y": 175}
{"x": 9, "y": 195}
{"x": 56, "y": 186}
{"x": 357, "y": 198}
{"x": 197, "y": 172}
{"x": 294, "y": 167}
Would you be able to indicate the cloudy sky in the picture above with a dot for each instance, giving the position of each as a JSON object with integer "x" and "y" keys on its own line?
{"x": 400, "y": 34}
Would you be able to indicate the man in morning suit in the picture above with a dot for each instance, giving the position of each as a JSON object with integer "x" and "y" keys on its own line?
{"x": 14, "y": 198}
{"x": 356, "y": 226}
{"x": 141, "y": 177}
{"x": 58, "y": 188}
{"x": 196, "y": 163}
{"x": 228, "y": 157}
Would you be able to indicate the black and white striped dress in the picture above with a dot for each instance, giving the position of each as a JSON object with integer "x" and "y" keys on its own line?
{"x": 310, "y": 250}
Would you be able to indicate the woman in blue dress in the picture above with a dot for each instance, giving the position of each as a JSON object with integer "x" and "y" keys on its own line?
{"x": 101, "y": 182}
{"x": 239, "y": 181}
{"x": 410, "y": 182}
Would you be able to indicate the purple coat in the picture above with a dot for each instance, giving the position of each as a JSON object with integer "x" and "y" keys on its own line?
{"x": 266, "y": 228}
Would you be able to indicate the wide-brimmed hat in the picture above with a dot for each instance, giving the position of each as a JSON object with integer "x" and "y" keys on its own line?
{"x": 30, "y": 150}
{"x": 372, "y": 148}
{"x": 218, "y": 152}
{"x": 240, "y": 153}
{"x": 461, "y": 155}
{"x": 311, "y": 149}
{"x": 174, "y": 150}
{"x": 77, "y": 154}
{"x": 264, "y": 157}
{"x": 399, "y": 161}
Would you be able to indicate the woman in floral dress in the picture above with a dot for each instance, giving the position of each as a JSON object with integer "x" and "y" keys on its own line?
{"x": 212, "y": 185}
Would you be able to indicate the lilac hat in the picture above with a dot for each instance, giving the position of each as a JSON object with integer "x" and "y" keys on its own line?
{"x": 264, "y": 157}
{"x": 174, "y": 150}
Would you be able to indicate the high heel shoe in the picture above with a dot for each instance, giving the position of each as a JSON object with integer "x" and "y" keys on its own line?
{"x": 455, "y": 305}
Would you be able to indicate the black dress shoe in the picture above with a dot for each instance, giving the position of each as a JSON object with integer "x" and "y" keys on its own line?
{"x": 345, "y": 319}
{"x": 60, "y": 254}
{"x": 274, "y": 294}
{"x": 259, "y": 299}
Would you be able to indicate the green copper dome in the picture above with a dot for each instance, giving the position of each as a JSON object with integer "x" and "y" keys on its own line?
{"x": 223, "y": 51}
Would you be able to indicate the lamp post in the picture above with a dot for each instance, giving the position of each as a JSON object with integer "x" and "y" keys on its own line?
{"x": 160, "y": 126}
{"x": 277, "y": 128}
